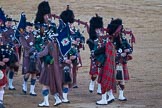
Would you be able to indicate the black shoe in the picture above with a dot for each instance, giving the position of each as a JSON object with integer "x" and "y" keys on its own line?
{"x": 91, "y": 91}
{"x": 66, "y": 102}
{"x": 24, "y": 91}
{"x": 11, "y": 88}
{"x": 58, "y": 104}
{"x": 100, "y": 104}
{"x": 122, "y": 99}
{"x": 33, "y": 94}
{"x": 111, "y": 101}
{"x": 42, "y": 105}
{"x": 99, "y": 93}
{"x": 75, "y": 86}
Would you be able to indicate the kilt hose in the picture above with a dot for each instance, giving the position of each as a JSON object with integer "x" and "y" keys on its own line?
{"x": 93, "y": 68}
{"x": 107, "y": 73}
{"x": 125, "y": 71}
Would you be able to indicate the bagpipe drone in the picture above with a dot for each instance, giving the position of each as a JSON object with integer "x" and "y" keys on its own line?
{"x": 114, "y": 28}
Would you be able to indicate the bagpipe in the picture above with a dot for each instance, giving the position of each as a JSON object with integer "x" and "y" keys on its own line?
{"x": 125, "y": 45}
{"x": 5, "y": 18}
{"x": 7, "y": 51}
{"x": 97, "y": 54}
{"x": 73, "y": 52}
{"x": 76, "y": 35}
{"x": 51, "y": 30}
{"x": 39, "y": 45}
{"x": 78, "y": 21}
{"x": 14, "y": 38}
{"x": 43, "y": 34}
{"x": 125, "y": 41}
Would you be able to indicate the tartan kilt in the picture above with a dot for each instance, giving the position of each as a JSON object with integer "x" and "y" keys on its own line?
{"x": 93, "y": 69}
{"x": 107, "y": 80}
{"x": 13, "y": 62}
{"x": 107, "y": 73}
{"x": 125, "y": 71}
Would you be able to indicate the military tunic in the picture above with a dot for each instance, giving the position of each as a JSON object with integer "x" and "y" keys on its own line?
{"x": 27, "y": 40}
{"x": 51, "y": 74}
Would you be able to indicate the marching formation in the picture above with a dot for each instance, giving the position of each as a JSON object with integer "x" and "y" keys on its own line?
{"x": 51, "y": 54}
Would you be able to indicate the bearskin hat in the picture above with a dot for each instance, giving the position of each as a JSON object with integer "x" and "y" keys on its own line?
{"x": 114, "y": 24}
{"x": 8, "y": 19}
{"x": 95, "y": 22}
{"x": 67, "y": 15}
{"x": 29, "y": 24}
{"x": 43, "y": 9}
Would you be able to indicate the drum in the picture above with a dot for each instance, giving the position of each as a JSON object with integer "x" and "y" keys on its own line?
{"x": 1, "y": 75}
{"x": 3, "y": 78}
